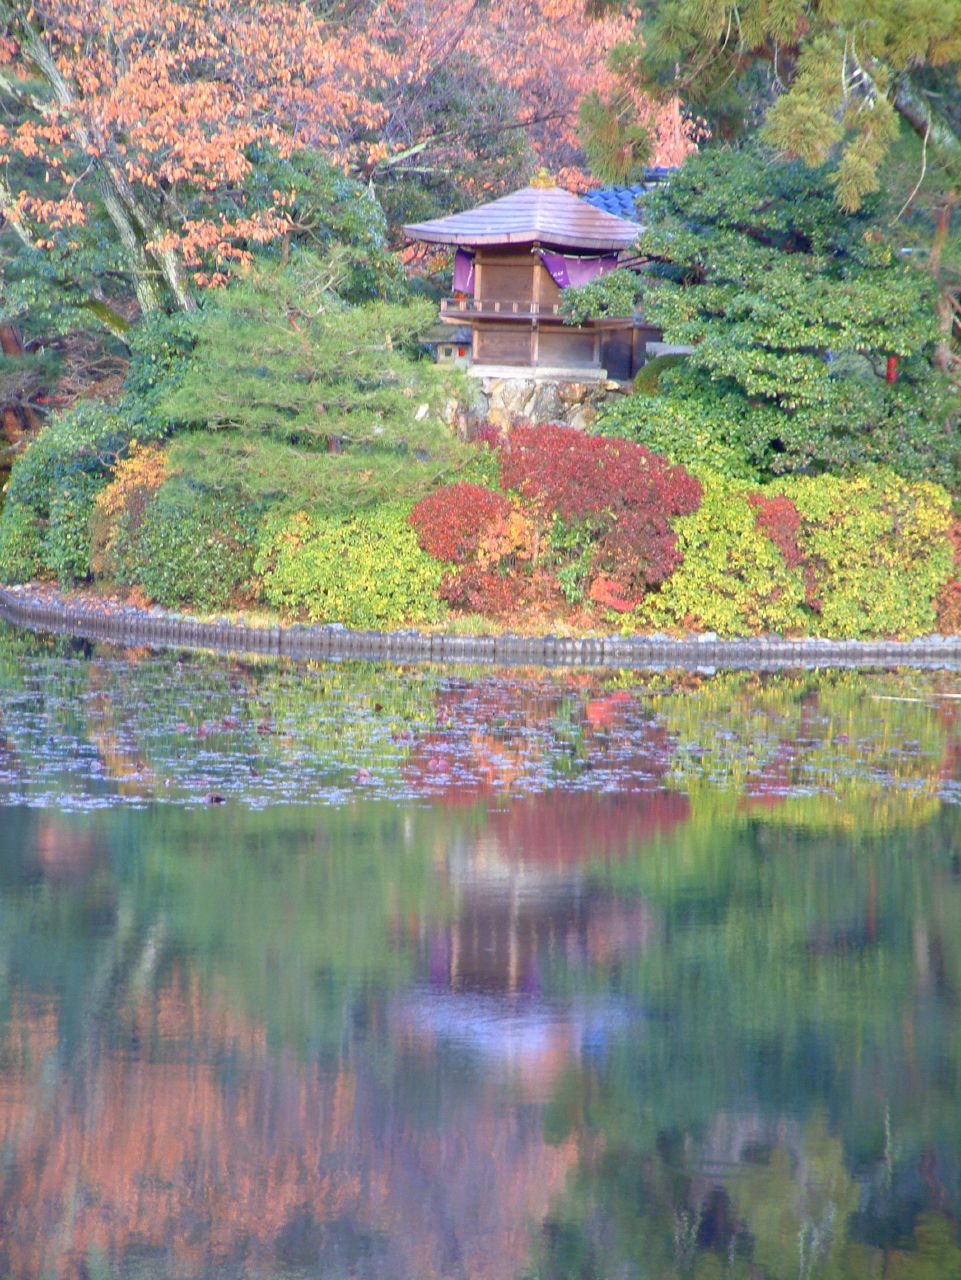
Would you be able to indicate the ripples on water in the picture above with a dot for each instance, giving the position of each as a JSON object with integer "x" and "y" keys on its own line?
{"x": 359, "y": 971}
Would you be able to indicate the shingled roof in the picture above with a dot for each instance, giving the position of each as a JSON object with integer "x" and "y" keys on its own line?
{"x": 541, "y": 215}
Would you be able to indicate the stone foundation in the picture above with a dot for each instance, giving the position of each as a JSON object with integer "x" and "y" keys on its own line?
{"x": 504, "y": 401}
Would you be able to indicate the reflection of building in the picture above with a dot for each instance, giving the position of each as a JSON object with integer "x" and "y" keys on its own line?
{"x": 515, "y": 918}
{"x": 523, "y": 909}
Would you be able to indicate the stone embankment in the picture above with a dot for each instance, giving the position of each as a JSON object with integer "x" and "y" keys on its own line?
{"x": 508, "y": 400}
{"x": 95, "y": 618}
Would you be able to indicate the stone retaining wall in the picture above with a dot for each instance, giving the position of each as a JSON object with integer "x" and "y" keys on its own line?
{"x": 136, "y": 627}
{"x": 503, "y": 401}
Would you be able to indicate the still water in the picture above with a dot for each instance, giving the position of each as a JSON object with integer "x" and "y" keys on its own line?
{"x": 401, "y": 973}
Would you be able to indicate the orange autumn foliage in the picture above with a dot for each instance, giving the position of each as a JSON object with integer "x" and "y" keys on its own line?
{"x": 166, "y": 100}
{"x": 144, "y": 468}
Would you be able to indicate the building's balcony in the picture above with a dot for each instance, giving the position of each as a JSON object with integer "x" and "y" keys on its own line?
{"x": 454, "y": 310}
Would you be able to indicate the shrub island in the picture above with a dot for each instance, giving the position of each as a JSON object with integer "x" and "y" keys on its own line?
{"x": 287, "y": 446}
{"x": 549, "y": 526}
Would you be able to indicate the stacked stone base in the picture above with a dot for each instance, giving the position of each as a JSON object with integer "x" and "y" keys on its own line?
{"x": 504, "y": 401}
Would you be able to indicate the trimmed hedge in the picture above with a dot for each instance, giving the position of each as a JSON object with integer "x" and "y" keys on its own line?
{"x": 732, "y": 579}
{"x": 867, "y": 556}
{"x": 598, "y": 526}
{"x": 21, "y": 545}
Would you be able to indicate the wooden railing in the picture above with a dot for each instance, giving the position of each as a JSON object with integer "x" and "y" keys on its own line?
{"x": 495, "y": 307}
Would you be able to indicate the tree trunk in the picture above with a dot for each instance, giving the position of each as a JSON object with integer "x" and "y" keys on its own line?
{"x": 941, "y": 137}
{"x": 17, "y": 420}
{"x": 945, "y": 357}
{"x": 133, "y": 222}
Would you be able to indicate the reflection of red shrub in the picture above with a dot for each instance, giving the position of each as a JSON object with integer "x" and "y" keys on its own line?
{"x": 628, "y": 494}
{"x": 571, "y": 827}
{"x": 451, "y": 522}
{"x": 494, "y": 736}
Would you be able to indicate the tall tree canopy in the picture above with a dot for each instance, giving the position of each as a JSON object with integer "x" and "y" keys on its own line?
{"x": 820, "y": 75}
{"x": 869, "y": 88}
{"x": 792, "y": 312}
{"x": 142, "y": 116}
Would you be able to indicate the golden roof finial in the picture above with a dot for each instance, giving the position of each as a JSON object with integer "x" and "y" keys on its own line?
{"x": 543, "y": 179}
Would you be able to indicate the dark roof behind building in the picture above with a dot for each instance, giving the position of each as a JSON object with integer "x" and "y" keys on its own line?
{"x": 542, "y": 215}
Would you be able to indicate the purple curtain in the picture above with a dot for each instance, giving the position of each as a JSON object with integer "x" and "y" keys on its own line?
{"x": 567, "y": 269}
{"x": 463, "y": 271}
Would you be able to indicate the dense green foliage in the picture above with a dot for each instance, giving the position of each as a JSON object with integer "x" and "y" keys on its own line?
{"x": 868, "y": 94}
{"x": 295, "y": 397}
{"x": 363, "y": 571}
{"x": 66, "y": 542}
{"x": 792, "y": 313}
{"x": 21, "y": 558}
{"x": 820, "y": 78}
{"x": 191, "y": 547}
{"x": 280, "y": 395}
{"x": 869, "y": 557}
{"x": 294, "y": 421}
{"x": 45, "y": 521}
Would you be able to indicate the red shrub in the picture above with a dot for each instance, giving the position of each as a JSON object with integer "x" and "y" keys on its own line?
{"x": 481, "y": 591}
{"x": 780, "y": 519}
{"x": 579, "y": 475}
{"x": 608, "y": 592}
{"x": 640, "y": 547}
{"x": 954, "y": 537}
{"x": 451, "y": 522}
{"x": 949, "y": 610}
{"x": 628, "y": 494}
{"x": 486, "y": 433}
{"x": 477, "y": 589}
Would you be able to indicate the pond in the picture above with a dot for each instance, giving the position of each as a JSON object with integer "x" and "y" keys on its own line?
{"x": 399, "y": 973}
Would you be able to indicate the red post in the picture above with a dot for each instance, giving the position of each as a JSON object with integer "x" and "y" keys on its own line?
{"x": 892, "y": 373}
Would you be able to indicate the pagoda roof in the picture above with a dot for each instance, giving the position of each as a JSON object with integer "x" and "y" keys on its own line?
{"x": 534, "y": 215}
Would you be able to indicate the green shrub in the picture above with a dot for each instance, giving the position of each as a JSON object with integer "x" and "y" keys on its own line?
{"x": 191, "y": 547}
{"x": 52, "y": 487}
{"x": 732, "y": 579}
{"x": 693, "y": 423}
{"x": 85, "y": 441}
{"x": 66, "y": 541}
{"x": 20, "y": 545}
{"x": 879, "y": 549}
{"x": 364, "y": 571}
{"x": 868, "y": 559}
{"x": 647, "y": 379}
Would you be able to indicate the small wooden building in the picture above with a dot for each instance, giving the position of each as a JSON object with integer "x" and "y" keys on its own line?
{"x": 513, "y": 257}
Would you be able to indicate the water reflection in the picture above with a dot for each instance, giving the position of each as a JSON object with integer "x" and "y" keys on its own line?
{"x": 535, "y": 977}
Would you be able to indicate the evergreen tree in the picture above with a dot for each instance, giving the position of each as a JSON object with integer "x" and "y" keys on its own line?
{"x": 797, "y": 318}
